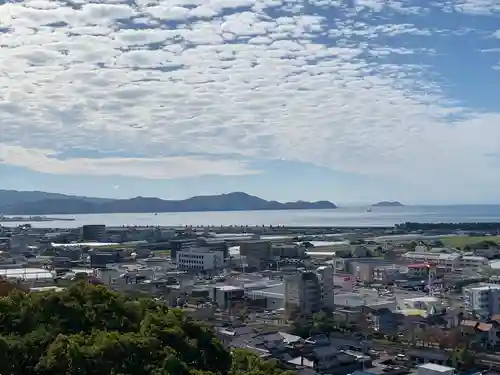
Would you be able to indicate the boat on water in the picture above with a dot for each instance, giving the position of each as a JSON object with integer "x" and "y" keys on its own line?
{"x": 369, "y": 210}
{"x": 18, "y": 219}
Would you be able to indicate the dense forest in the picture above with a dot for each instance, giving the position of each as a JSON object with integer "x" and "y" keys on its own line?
{"x": 87, "y": 330}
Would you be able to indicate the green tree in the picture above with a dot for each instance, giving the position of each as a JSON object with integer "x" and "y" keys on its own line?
{"x": 88, "y": 329}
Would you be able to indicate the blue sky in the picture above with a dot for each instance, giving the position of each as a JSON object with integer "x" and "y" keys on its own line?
{"x": 351, "y": 101}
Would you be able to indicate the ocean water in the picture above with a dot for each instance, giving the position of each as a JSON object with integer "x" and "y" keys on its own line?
{"x": 344, "y": 216}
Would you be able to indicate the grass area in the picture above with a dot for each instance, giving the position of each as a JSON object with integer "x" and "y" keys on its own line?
{"x": 163, "y": 253}
{"x": 461, "y": 241}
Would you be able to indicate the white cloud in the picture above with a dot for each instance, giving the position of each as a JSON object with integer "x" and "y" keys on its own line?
{"x": 45, "y": 161}
{"x": 197, "y": 79}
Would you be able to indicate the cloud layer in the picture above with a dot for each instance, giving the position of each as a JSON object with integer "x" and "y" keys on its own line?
{"x": 208, "y": 86}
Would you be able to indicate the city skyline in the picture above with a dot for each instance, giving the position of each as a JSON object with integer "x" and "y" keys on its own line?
{"x": 347, "y": 101}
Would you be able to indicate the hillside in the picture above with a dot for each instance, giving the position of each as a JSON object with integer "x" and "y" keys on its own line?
{"x": 26, "y": 203}
{"x": 88, "y": 329}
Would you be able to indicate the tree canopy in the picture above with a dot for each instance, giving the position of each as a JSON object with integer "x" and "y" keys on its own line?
{"x": 89, "y": 329}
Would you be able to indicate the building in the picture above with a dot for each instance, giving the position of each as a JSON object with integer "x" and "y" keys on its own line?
{"x": 435, "y": 369}
{"x": 199, "y": 259}
{"x": 179, "y": 245}
{"x": 370, "y": 269}
{"x": 214, "y": 244}
{"x": 93, "y": 232}
{"x": 385, "y": 274}
{"x": 482, "y": 300}
{"x": 303, "y": 292}
{"x": 446, "y": 262}
{"x": 472, "y": 261}
{"x": 225, "y": 295}
{"x": 101, "y": 259}
{"x": 326, "y": 279}
{"x": 418, "y": 270}
{"x": 421, "y": 306}
{"x": 257, "y": 253}
{"x": 288, "y": 251}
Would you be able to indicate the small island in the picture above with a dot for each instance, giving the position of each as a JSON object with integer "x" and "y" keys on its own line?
{"x": 388, "y": 204}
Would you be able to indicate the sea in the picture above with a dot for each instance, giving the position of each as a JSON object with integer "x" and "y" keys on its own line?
{"x": 340, "y": 217}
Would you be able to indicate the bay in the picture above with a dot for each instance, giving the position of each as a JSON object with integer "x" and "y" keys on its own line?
{"x": 343, "y": 216}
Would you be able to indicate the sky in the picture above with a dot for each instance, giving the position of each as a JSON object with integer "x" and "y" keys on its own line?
{"x": 344, "y": 100}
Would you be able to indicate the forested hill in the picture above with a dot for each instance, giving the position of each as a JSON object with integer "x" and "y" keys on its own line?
{"x": 89, "y": 330}
{"x": 42, "y": 203}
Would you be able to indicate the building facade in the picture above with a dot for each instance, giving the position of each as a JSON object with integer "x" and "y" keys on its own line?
{"x": 93, "y": 232}
{"x": 482, "y": 300}
{"x": 199, "y": 260}
{"x": 303, "y": 292}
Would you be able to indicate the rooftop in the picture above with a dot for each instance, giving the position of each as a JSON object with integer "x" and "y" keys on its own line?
{"x": 437, "y": 368}
{"x": 484, "y": 288}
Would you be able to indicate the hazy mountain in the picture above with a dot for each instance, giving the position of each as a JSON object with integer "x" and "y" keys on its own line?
{"x": 41, "y": 203}
{"x": 388, "y": 204}
{"x": 11, "y": 197}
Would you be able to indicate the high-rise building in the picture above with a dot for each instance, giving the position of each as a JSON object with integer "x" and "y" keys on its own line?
{"x": 303, "y": 292}
{"x": 326, "y": 279}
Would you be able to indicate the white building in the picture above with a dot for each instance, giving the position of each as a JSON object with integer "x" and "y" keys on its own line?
{"x": 449, "y": 262}
{"x": 199, "y": 259}
{"x": 483, "y": 300}
{"x": 472, "y": 261}
{"x": 435, "y": 369}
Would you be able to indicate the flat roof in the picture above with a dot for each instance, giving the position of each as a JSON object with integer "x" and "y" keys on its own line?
{"x": 436, "y": 367}
{"x": 422, "y": 299}
{"x": 484, "y": 287}
{"x": 228, "y": 288}
{"x": 26, "y": 273}
{"x": 80, "y": 244}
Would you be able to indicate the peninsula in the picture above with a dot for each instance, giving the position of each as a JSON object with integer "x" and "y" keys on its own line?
{"x": 388, "y": 204}
{"x": 18, "y": 219}
{"x": 42, "y": 203}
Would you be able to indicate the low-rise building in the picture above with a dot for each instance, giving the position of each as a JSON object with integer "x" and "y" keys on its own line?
{"x": 447, "y": 262}
{"x": 483, "y": 300}
{"x": 199, "y": 259}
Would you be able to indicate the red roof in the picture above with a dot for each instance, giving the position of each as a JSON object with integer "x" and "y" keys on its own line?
{"x": 419, "y": 265}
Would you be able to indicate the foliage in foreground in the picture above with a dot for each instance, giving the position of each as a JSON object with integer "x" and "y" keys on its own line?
{"x": 88, "y": 329}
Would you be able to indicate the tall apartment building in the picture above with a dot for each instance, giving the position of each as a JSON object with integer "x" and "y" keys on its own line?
{"x": 303, "y": 292}
{"x": 326, "y": 280}
{"x": 483, "y": 300}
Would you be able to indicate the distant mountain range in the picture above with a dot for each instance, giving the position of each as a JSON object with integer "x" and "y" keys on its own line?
{"x": 388, "y": 204}
{"x": 14, "y": 202}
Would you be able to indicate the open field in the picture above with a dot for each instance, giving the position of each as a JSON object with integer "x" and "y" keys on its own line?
{"x": 461, "y": 241}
